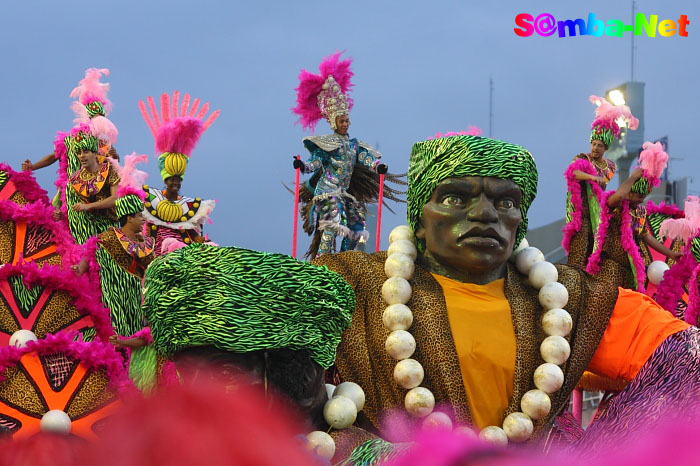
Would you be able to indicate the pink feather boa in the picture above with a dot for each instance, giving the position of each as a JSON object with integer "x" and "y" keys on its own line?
{"x": 144, "y": 333}
{"x": 593, "y": 266}
{"x": 26, "y": 184}
{"x": 576, "y": 194}
{"x": 95, "y": 355}
{"x": 631, "y": 247}
{"x": 664, "y": 209}
{"x": 670, "y": 290}
{"x": 40, "y": 213}
{"x": 85, "y": 300}
{"x": 691, "y": 313}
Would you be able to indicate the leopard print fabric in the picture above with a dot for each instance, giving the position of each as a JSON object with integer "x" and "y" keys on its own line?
{"x": 363, "y": 359}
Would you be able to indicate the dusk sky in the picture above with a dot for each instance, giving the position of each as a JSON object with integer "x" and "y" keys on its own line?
{"x": 420, "y": 68}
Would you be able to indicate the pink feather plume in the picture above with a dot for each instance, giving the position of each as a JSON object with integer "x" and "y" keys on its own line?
{"x": 606, "y": 115}
{"x": 653, "y": 160}
{"x": 684, "y": 228}
{"x": 310, "y": 85}
{"x": 104, "y": 129}
{"x": 90, "y": 89}
{"x": 185, "y": 105}
{"x": 179, "y": 135}
{"x": 132, "y": 179}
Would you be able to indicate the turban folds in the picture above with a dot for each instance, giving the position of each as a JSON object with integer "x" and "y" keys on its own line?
{"x": 435, "y": 160}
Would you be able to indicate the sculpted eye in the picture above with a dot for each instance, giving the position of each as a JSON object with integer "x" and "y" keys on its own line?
{"x": 452, "y": 200}
{"x": 506, "y": 203}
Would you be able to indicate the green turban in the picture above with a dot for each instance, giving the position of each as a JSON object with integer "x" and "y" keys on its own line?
{"x": 435, "y": 160}
{"x": 129, "y": 204}
{"x": 602, "y": 134}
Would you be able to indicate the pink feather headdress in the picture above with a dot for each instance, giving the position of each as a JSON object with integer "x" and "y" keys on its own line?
{"x": 317, "y": 95}
{"x": 471, "y": 131}
{"x": 606, "y": 115}
{"x": 132, "y": 179}
{"x": 684, "y": 228}
{"x": 92, "y": 105}
{"x": 653, "y": 160}
{"x": 177, "y": 130}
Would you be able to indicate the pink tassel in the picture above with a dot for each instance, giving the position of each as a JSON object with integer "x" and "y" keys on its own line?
{"x": 176, "y": 98}
{"x": 147, "y": 118}
{"x": 185, "y": 105}
{"x": 154, "y": 112}
{"x": 593, "y": 266}
{"x": 165, "y": 107}
{"x": 203, "y": 111}
{"x": 195, "y": 106}
{"x": 210, "y": 120}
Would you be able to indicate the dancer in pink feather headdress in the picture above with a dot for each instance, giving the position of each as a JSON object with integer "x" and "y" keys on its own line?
{"x": 176, "y": 131}
{"x": 335, "y": 196}
{"x": 586, "y": 179}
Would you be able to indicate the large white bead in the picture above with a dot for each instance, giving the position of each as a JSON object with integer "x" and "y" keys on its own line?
{"x": 542, "y": 273}
{"x": 408, "y": 373}
{"x": 557, "y": 322}
{"x": 396, "y": 290}
{"x": 353, "y": 391}
{"x": 523, "y": 244}
{"x": 330, "y": 388}
{"x": 321, "y": 443}
{"x": 21, "y": 337}
{"x": 656, "y": 271}
{"x": 399, "y": 265}
{"x": 555, "y": 349}
{"x": 536, "y": 404}
{"x": 518, "y": 427}
{"x": 400, "y": 344}
{"x": 397, "y": 317}
{"x": 401, "y": 232}
{"x": 55, "y": 421}
{"x": 553, "y": 295}
{"x": 549, "y": 377}
{"x": 494, "y": 435}
{"x": 437, "y": 421}
{"x": 403, "y": 246}
{"x": 340, "y": 412}
{"x": 419, "y": 402}
{"x": 527, "y": 258}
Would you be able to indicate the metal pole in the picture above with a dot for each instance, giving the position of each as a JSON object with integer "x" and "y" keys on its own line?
{"x": 490, "y": 107}
{"x": 634, "y": 5}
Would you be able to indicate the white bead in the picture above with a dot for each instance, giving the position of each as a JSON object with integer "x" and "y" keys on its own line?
{"x": 542, "y": 273}
{"x": 396, "y": 290}
{"x": 21, "y": 337}
{"x": 399, "y": 265}
{"x": 401, "y": 232}
{"x": 400, "y": 344}
{"x": 419, "y": 402}
{"x": 527, "y": 258}
{"x": 436, "y": 421}
{"x": 494, "y": 435}
{"x": 656, "y": 271}
{"x": 557, "y": 322}
{"x": 321, "y": 443}
{"x": 555, "y": 349}
{"x": 523, "y": 244}
{"x": 353, "y": 391}
{"x": 330, "y": 388}
{"x": 408, "y": 373}
{"x": 553, "y": 295}
{"x": 518, "y": 427}
{"x": 55, "y": 421}
{"x": 403, "y": 246}
{"x": 549, "y": 377}
{"x": 340, "y": 412}
{"x": 397, "y": 317}
{"x": 536, "y": 404}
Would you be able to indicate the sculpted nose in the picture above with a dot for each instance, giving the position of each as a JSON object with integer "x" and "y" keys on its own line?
{"x": 482, "y": 210}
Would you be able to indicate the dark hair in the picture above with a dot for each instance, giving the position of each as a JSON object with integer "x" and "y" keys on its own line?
{"x": 123, "y": 219}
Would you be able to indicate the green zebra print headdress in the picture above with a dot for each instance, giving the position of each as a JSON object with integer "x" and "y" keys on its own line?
{"x": 240, "y": 300}
{"x": 434, "y": 160}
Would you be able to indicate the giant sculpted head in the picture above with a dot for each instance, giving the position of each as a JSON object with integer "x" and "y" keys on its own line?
{"x": 467, "y": 202}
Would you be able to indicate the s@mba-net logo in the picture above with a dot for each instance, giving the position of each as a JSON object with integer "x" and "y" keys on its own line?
{"x": 546, "y": 25}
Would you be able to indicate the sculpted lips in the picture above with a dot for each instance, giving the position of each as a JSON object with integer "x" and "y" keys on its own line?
{"x": 486, "y": 237}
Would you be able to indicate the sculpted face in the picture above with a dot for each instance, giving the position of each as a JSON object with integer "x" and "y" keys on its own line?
{"x": 469, "y": 227}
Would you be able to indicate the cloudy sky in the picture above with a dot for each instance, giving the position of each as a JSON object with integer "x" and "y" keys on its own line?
{"x": 421, "y": 67}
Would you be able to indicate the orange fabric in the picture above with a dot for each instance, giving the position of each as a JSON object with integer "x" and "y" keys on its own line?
{"x": 637, "y": 327}
{"x": 482, "y": 329}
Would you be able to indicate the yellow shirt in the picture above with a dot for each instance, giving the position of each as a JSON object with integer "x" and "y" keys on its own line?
{"x": 482, "y": 329}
